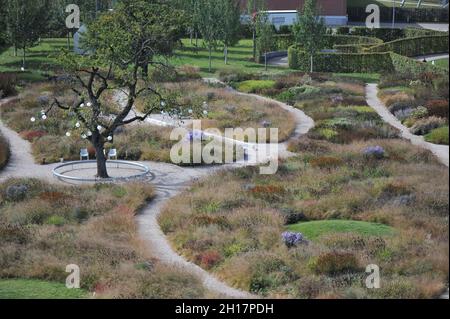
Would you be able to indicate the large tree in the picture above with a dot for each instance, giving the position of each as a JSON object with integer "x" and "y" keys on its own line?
{"x": 27, "y": 21}
{"x": 309, "y": 30}
{"x": 123, "y": 43}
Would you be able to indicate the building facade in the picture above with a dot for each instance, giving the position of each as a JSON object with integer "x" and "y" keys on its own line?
{"x": 284, "y": 12}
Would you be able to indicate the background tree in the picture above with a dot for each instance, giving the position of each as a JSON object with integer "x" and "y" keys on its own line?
{"x": 209, "y": 14}
{"x": 309, "y": 30}
{"x": 265, "y": 35}
{"x": 190, "y": 9}
{"x": 124, "y": 41}
{"x": 3, "y": 35}
{"x": 27, "y": 21}
{"x": 231, "y": 22}
{"x": 253, "y": 8}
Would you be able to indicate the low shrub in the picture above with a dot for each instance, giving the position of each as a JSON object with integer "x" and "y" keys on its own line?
{"x": 438, "y": 136}
{"x": 7, "y": 84}
{"x": 255, "y": 86}
{"x": 327, "y": 162}
{"x": 376, "y": 152}
{"x": 292, "y": 239}
{"x": 419, "y": 113}
{"x": 5, "y": 152}
{"x": 400, "y": 106}
{"x": 426, "y": 125}
{"x": 333, "y": 263}
{"x": 439, "y": 108}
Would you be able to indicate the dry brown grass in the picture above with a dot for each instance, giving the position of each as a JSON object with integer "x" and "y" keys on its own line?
{"x": 94, "y": 227}
{"x": 229, "y": 218}
{"x": 230, "y": 110}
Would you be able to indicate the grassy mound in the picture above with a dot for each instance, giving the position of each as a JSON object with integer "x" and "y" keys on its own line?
{"x": 37, "y": 289}
{"x": 315, "y": 229}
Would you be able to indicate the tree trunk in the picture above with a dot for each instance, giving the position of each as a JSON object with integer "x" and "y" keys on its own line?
{"x": 226, "y": 55}
{"x": 15, "y": 50}
{"x": 254, "y": 44}
{"x": 102, "y": 172}
{"x": 312, "y": 64}
{"x": 68, "y": 40}
{"x": 210, "y": 63}
{"x": 196, "y": 39}
{"x": 265, "y": 61}
{"x": 24, "y": 57}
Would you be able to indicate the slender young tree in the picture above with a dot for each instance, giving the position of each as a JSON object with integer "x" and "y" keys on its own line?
{"x": 231, "y": 22}
{"x": 122, "y": 43}
{"x": 309, "y": 30}
{"x": 27, "y": 21}
{"x": 253, "y": 8}
{"x": 264, "y": 35}
{"x": 210, "y": 16}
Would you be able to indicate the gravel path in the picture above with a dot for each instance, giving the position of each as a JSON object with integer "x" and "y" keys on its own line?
{"x": 170, "y": 184}
{"x": 21, "y": 163}
{"x": 441, "y": 151}
{"x": 170, "y": 181}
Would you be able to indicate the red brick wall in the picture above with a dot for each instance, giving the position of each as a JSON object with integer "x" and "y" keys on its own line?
{"x": 327, "y": 7}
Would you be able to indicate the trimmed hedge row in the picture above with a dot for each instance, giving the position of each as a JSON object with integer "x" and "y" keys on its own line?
{"x": 403, "y": 64}
{"x": 284, "y": 41}
{"x": 388, "y": 34}
{"x": 414, "y": 46}
{"x": 376, "y": 62}
{"x": 341, "y": 62}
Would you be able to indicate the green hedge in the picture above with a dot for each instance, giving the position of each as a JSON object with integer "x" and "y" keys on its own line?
{"x": 283, "y": 41}
{"x": 414, "y": 46}
{"x": 388, "y": 34}
{"x": 403, "y": 64}
{"x": 341, "y": 62}
{"x": 377, "y": 62}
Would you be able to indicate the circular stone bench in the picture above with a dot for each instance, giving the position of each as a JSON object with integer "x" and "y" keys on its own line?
{"x": 85, "y": 171}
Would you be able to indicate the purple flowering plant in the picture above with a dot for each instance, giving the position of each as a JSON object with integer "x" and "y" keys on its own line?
{"x": 292, "y": 239}
{"x": 374, "y": 152}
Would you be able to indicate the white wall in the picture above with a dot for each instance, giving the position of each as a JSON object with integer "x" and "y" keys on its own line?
{"x": 289, "y": 18}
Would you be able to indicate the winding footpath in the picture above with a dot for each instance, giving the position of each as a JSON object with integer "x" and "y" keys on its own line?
{"x": 170, "y": 180}
{"x": 440, "y": 151}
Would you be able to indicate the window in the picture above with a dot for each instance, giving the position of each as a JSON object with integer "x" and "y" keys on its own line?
{"x": 278, "y": 20}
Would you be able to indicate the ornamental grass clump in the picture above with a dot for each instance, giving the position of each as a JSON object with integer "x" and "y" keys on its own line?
{"x": 376, "y": 152}
{"x": 292, "y": 239}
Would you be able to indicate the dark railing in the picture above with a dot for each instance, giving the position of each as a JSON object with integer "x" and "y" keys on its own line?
{"x": 402, "y": 15}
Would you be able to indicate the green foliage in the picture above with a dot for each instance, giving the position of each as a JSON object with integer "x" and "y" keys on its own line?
{"x": 438, "y": 136}
{"x": 26, "y": 21}
{"x": 340, "y": 62}
{"x": 253, "y": 86}
{"x": 416, "y": 46}
{"x": 264, "y": 34}
{"x": 310, "y": 30}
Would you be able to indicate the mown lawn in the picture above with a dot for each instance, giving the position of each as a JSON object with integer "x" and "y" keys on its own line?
{"x": 40, "y": 60}
{"x": 37, "y": 289}
{"x": 316, "y": 229}
{"x": 239, "y": 57}
{"x": 441, "y": 63}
